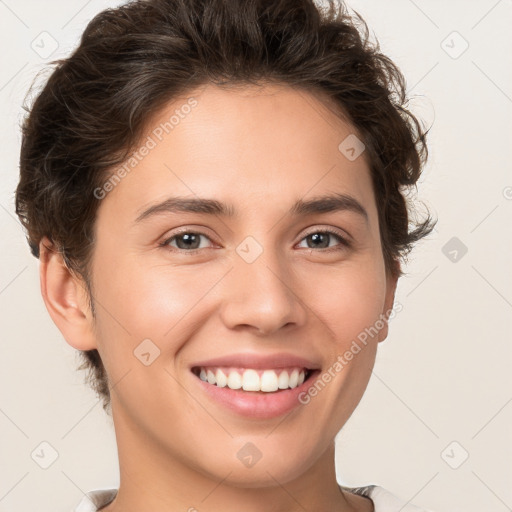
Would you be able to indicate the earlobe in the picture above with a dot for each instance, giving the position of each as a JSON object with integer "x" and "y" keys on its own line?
{"x": 391, "y": 283}
{"x": 65, "y": 298}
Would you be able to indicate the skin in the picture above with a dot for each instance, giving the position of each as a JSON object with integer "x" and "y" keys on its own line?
{"x": 260, "y": 150}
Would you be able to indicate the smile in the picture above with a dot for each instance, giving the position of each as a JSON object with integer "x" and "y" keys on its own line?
{"x": 249, "y": 379}
{"x": 255, "y": 393}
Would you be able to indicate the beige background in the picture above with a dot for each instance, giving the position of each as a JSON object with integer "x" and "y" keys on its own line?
{"x": 441, "y": 388}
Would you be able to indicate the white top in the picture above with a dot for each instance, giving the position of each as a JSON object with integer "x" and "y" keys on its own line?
{"x": 383, "y": 500}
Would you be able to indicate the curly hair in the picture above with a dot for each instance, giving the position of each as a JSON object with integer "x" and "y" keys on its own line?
{"x": 134, "y": 59}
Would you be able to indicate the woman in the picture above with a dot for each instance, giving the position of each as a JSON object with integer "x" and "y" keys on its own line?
{"x": 215, "y": 190}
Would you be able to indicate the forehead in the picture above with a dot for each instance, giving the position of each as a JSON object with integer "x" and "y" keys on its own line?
{"x": 266, "y": 145}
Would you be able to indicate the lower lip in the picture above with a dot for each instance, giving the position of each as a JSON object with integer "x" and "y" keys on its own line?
{"x": 257, "y": 404}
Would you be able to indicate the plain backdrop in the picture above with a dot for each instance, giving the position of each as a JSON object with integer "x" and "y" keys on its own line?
{"x": 434, "y": 425}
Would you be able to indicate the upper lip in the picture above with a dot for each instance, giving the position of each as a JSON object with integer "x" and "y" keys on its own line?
{"x": 259, "y": 361}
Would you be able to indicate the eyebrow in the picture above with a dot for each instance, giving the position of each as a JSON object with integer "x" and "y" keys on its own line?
{"x": 323, "y": 204}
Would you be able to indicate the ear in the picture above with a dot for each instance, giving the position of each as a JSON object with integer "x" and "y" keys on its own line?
{"x": 391, "y": 282}
{"x": 65, "y": 297}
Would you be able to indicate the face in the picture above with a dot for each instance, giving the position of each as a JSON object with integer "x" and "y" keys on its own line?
{"x": 261, "y": 285}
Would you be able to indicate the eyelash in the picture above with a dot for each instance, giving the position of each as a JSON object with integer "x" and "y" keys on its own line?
{"x": 344, "y": 243}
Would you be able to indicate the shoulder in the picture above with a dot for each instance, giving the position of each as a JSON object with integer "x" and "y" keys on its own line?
{"x": 384, "y": 500}
{"x": 94, "y": 500}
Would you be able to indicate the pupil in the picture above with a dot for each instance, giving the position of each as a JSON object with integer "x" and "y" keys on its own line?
{"x": 187, "y": 238}
{"x": 317, "y": 236}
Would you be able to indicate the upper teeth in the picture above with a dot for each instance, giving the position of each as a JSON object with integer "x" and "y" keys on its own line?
{"x": 253, "y": 380}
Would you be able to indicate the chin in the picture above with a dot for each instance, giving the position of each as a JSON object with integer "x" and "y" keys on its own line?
{"x": 264, "y": 470}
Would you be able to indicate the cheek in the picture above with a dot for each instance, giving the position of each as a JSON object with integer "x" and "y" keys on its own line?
{"x": 349, "y": 307}
{"x": 161, "y": 303}
{"x": 348, "y": 301}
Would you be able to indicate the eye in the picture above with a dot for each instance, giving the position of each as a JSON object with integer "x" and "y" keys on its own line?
{"x": 188, "y": 241}
{"x": 320, "y": 240}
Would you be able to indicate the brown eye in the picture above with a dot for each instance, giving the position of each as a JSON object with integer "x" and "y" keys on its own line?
{"x": 186, "y": 241}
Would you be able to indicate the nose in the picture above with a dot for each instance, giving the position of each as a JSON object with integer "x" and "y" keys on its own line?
{"x": 263, "y": 296}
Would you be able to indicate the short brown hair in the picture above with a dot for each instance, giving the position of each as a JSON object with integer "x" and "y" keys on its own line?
{"x": 135, "y": 58}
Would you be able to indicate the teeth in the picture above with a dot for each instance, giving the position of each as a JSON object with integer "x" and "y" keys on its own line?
{"x": 211, "y": 377}
{"x": 282, "y": 381}
{"x": 294, "y": 378}
{"x": 250, "y": 380}
{"x": 269, "y": 381}
{"x": 221, "y": 378}
{"x": 234, "y": 380}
